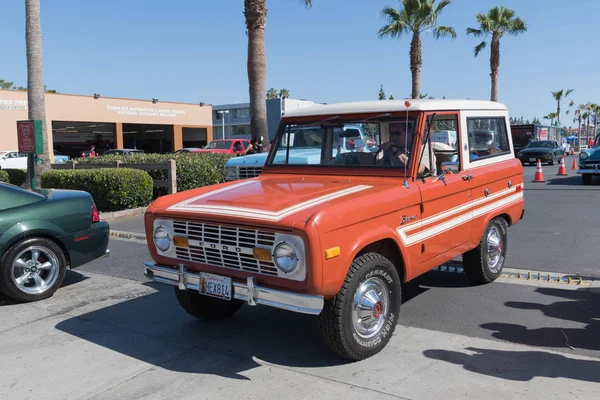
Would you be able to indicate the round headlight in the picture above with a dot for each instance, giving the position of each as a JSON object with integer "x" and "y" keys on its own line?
{"x": 231, "y": 173}
{"x": 285, "y": 257}
{"x": 583, "y": 155}
{"x": 162, "y": 240}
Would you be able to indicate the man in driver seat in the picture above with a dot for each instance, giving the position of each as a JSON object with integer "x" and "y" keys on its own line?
{"x": 393, "y": 152}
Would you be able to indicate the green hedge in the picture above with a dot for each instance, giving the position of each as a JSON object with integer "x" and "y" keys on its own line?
{"x": 16, "y": 176}
{"x": 4, "y": 176}
{"x": 193, "y": 170}
{"x": 113, "y": 189}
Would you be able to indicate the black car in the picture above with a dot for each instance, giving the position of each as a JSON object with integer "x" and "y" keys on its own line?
{"x": 123, "y": 152}
{"x": 547, "y": 151}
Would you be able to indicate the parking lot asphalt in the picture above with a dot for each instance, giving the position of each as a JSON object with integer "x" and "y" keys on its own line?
{"x": 103, "y": 337}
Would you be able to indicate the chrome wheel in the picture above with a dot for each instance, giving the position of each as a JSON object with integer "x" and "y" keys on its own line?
{"x": 370, "y": 307}
{"x": 35, "y": 270}
{"x": 494, "y": 248}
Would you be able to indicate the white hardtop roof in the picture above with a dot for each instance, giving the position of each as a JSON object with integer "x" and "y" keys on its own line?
{"x": 395, "y": 105}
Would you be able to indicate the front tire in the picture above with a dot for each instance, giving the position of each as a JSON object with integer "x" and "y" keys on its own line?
{"x": 484, "y": 263}
{"x": 359, "y": 321}
{"x": 32, "y": 269}
{"x": 586, "y": 179}
{"x": 206, "y": 307}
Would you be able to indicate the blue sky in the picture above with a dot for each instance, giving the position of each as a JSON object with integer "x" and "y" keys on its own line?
{"x": 192, "y": 51}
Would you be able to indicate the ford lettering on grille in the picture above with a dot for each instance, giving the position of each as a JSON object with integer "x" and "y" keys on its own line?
{"x": 224, "y": 246}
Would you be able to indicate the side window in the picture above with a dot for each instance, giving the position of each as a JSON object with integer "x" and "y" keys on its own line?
{"x": 487, "y": 137}
{"x": 443, "y": 148}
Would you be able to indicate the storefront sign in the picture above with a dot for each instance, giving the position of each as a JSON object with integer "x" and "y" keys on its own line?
{"x": 145, "y": 111}
{"x": 13, "y": 105}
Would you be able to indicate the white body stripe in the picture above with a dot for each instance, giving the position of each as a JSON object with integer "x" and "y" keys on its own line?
{"x": 435, "y": 230}
{"x": 263, "y": 215}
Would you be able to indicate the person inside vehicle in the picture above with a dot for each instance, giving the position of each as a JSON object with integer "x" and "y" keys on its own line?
{"x": 393, "y": 152}
{"x": 254, "y": 147}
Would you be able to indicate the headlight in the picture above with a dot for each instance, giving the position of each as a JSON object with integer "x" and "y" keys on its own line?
{"x": 285, "y": 257}
{"x": 583, "y": 155}
{"x": 231, "y": 173}
{"x": 162, "y": 240}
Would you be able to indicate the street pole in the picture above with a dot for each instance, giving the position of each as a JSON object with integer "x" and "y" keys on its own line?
{"x": 223, "y": 119}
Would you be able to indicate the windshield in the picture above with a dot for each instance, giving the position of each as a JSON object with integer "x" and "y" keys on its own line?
{"x": 538, "y": 143}
{"x": 219, "y": 145}
{"x": 372, "y": 143}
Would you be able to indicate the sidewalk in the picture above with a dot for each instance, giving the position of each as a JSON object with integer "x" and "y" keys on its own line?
{"x": 109, "y": 338}
{"x": 128, "y": 224}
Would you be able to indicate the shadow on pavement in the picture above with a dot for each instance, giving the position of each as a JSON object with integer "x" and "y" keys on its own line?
{"x": 520, "y": 366}
{"x": 71, "y": 278}
{"x": 155, "y": 329}
{"x": 581, "y": 306}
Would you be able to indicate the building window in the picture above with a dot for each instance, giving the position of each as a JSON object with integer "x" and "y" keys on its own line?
{"x": 488, "y": 137}
{"x": 240, "y": 113}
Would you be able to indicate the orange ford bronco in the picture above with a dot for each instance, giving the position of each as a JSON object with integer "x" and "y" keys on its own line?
{"x": 335, "y": 231}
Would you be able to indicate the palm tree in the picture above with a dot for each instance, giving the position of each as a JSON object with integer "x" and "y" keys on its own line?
{"x": 255, "y": 12}
{"x": 551, "y": 117}
{"x": 272, "y": 93}
{"x": 558, "y": 95}
{"x": 284, "y": 93}
{"x": 415, "y": 16}
{"x": 497, "y": 22}
{"x": 579, "y": 116}
{"x": 35, "y": 80}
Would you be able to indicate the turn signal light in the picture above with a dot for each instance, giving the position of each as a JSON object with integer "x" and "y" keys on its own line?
{"x": 180, "y": 241}
{"x": 333, "y": 252}
{"x": 261, "y": 254}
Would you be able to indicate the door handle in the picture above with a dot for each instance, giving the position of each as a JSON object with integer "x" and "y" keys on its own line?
{"x": 467, "y": 177}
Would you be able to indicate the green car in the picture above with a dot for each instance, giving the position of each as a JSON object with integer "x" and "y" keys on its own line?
{"x": 41, "y": 234}
{"x": 589, "y": 163}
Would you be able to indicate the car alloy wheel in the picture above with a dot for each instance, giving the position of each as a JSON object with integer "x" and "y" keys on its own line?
{"x": 35, "y": 270}
{"x": 370, "y": 307}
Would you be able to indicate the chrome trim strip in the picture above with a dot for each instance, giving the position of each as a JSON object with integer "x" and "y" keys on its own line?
{"x": 587, "y": 171}
{"x": 249, "y": 291}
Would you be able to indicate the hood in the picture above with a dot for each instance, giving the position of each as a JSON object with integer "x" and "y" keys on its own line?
{"x": 536, "y": 149}
{"x": 297, "y": 156}
{"x": 290, "y": 201}
{"x": 211, "y": 151}
{"x": 593, "y": 154}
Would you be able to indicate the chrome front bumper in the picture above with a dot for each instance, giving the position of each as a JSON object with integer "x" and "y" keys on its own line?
{"x": 249, "y": 292}
{"x": 594, "y": 171}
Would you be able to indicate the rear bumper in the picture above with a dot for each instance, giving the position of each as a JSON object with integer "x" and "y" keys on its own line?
{"x": 247, "y": 291}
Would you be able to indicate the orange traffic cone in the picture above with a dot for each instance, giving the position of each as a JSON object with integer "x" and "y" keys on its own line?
{"x": 539, "y": 176}
{"x": 562, "y": 170}
{"x": 574, "y": 164}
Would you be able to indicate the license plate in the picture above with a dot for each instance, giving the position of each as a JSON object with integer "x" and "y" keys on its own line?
{"x": 215, "y": 286}
{"x": 533, "y": 159}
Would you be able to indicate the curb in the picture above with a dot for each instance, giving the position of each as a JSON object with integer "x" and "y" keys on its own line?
{"x": 108, "y": 216}
{"x": 128, "y": 235}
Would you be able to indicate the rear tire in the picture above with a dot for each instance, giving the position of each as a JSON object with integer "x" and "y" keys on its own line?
{"x": 359, "y": 321}
{"x": 586, "y": 179}
{"x": 206, "y": 307}
{"x": 484, "y": 263}
{"x": 32, "y": 269}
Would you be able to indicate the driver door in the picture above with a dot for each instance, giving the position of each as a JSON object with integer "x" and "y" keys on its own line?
{"x": 446, "y": 201}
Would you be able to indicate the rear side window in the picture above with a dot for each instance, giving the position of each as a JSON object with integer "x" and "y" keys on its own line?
{"x": 488, "y": 137}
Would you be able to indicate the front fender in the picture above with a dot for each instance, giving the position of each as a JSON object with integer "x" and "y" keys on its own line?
{"x": 351, "y": 241}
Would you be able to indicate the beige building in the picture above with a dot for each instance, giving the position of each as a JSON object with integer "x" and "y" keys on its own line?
{"x": 77, "y": 122}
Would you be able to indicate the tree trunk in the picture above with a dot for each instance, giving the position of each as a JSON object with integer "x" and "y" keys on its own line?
{"x": 558, "y": 110}
{"x": 495, "y": 66}
{"x": 579, "y": 136}
{"x": 255, "y": 12}
{"x": 35, "y": 80}
{"x": 415, "y": 64}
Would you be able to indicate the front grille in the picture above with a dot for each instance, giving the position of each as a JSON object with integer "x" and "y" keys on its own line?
{"x": 249, "y": 172}
{"x": 224, "y": 246}
{"x": 535, "y": 155}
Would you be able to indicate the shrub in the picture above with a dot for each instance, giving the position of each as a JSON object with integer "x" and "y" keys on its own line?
{"x": 4, "y": 176}
{"x": 16, "y": 176}
{"x": 113, "y": 189}
{"x": 193, "y": 170}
